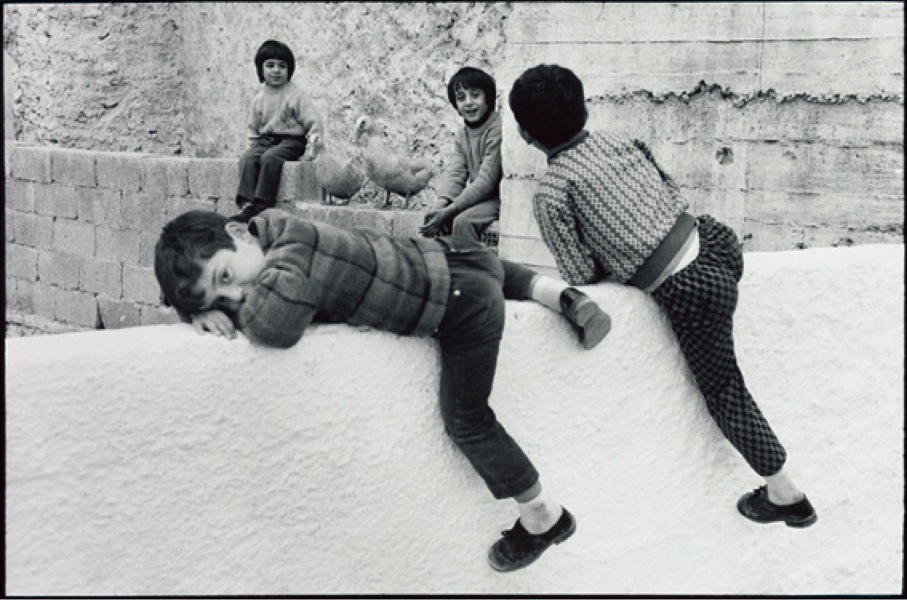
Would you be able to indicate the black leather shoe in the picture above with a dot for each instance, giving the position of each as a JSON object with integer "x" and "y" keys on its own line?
{"x": 518, "y": 548}
{"x": 246, "y": 213}
{"x": 590, "y": 322}
{"x": 756, "y": 506}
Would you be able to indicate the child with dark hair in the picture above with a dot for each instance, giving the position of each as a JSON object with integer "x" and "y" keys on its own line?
{"x": 607, "y": 211}
{"x": 281, "y": 118}
{"x": 277, "y": 275}
{"x": 469, "y": 192}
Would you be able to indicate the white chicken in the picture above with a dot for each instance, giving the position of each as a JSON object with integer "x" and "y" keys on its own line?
{"x": 337, "y": 174}
{"x": 395, "y": 174}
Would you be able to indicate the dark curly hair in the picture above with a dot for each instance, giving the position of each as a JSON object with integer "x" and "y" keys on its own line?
{"x": 185, "y": 242}
{"x": 277, "y": 50}
{"x": 470, "y": 77}
{"x": 548, "y": 102}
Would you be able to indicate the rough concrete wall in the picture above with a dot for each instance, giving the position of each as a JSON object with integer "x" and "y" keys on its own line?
{"x": 152, "y": 461}
{"x": 783, "y": 119}
{"x": 177, "y": 78}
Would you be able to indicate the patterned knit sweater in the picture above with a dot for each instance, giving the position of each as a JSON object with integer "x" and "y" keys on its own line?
{"x": 603, "y": 206}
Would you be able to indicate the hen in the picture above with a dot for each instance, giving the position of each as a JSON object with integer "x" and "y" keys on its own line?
{"x": 395, "y": 174}
{"x": 339, "y": 177}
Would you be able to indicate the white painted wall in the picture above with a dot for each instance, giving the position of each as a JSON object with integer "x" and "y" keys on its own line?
{"x": 153, "y": 461}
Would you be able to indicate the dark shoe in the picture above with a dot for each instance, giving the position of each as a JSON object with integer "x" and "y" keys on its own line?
{"x": 519, "y": 548}
{"x": 590, "y": 322}
{"x": 246, "y": 212}
{"x": 756, "y": 506}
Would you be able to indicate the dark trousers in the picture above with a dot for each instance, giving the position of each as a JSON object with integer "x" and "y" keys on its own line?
{"x": 700, "y": 301}
{"x": 260, "y": 167}
{"x": 470, "y": 336}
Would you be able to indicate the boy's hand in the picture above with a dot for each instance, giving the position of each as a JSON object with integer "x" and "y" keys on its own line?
{"x": 215, "y": 321}
{"x": 434, "y": 220}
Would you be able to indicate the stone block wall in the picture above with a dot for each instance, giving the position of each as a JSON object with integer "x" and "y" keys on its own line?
{"x": 81, "y": 227}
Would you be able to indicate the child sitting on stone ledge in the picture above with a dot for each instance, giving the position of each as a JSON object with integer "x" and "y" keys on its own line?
{"x": 277, "y": 275}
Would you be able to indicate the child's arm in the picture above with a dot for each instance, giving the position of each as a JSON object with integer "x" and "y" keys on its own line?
{"x": 280, "y": 306}
{"x": 215, "y": 321}
{"x": 309, "y": 117}
{"x": 456, "y": 172}
{"x": 557, "y": 225}
{"x": 486, "y": 179}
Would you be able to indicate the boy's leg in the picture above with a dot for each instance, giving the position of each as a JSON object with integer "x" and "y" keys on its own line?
{"x": 589, "y": 321}
{"x": 249, "y": 167}
{"x": 472, "y": 222}
{"x": 470, "y": 336}
{"x": 700, "y": 301}
{"x": 271, "y": 167}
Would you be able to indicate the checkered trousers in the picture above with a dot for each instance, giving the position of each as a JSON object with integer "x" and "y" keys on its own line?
{"x": 700, "y": 301}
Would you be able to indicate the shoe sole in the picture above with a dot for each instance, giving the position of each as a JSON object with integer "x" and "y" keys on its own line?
{"x": 561, "y": 538}
{"x": 594, "y": 323}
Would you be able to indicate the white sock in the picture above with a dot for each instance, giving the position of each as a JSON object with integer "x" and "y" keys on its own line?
{"x": 539, "y": 514}
{"x": 547, "y": 291}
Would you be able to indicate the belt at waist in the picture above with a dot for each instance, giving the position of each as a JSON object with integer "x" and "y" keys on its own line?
{"x": 666, "y": 255}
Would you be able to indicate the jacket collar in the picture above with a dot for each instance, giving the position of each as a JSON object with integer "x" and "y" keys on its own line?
{"x": 553, "y": 152}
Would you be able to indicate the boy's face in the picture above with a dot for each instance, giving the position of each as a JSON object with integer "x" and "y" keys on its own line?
{"x": 275, "y": 72}
{"x": 471, "y": 103}
{"x": 228, "y": 274}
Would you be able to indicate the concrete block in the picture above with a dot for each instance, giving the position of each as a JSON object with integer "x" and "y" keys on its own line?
{"x": 74, "y": 237}
{"x": 213, "y": 178}
{"x": 143, "y": 212}
{"x": 298, "y": 183}
{"x": 102, "y": 277}
{"x": 165, "y": 176}
{"x": 139, "y": 284}
{"x": 157, "y": 315}
{"x": 120, "y": 170}
{"x": 9, "y": 226}
{"x": 20, "y": 297}
{"x": 147, "y": 241}
{"x": 75, "y": 307}
{"x": 75, "y": 167}
{"x": 21, "y": 262}
{"x": 59, "y": 269}
{"x": 20, "y": 195}
{"x": 341, "y": 216}
{"x": 406, "y": 222}
{"x": 35, "y": 231}
{"x": 186, "y": 204}
{"x": 30, "y": 163}
{"x": 99, "y": 206}
{"x": 42, "y": 295}
{"x": 58, "y": 200}
{"x": 116, "y": 314}
{"x": 117, "y": 245}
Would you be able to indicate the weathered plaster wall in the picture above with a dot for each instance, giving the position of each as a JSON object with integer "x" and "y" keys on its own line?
{"x": 153, "y": 461}
{"x": 783, "y": 119}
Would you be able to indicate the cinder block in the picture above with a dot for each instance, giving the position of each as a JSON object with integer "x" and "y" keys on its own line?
{"x": 213, "y": 178}
{"x": 147, "y": 241}
{"x": 142, "y": 212}
{"x": 187, "y": 204}
{"x": 30, "y": 163}
{"x": 42, "y": 296}
{"x": 369, "y": 218}
{"x": 101, "y": 207}
{"x": 120, "y": 170}
{"x": 74, "y": 237}
{"x": 21, "y": 262}
{"x": 35, "y": 231}
{"x": 20, "y": 296}
{"x": 58, "y": 200}
{"x": 165, "y": 176}
{"x": 406, "y": 222}
{"x": 9, "y": 225}
{"x": 157, "y": 315}
{"x": 76, "y": 167}
{"x": 139, "y": 284}
{"x": 116, "y": 314}
{"x": 20, "y": 195}
{"x": 75, "y": 307}
{"x": 59, "y": 269}
{"x": 102, "y": 277}
{"x": 298, "y": 183}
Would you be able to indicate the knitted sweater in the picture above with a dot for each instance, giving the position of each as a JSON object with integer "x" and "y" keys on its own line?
{"x": 316, "y": 272}
{"x": 286, "y": 110}
{"x": 603, "y": 207}
{"x": 474, "y": 171}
